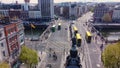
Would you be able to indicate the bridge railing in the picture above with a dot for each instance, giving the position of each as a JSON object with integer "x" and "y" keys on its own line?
{"x": 45, "y": 34}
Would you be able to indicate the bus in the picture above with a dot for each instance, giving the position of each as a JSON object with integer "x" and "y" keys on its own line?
{"x": 53, "y": 28}
{"x": 59, "y": 26}
{"x": 75, "y": 30}
{"x": 88, "y": 36}
{"x": 78, "y": 40}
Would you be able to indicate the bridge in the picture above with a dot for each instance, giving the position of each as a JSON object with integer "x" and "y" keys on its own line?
{"x": 106, "y": 25}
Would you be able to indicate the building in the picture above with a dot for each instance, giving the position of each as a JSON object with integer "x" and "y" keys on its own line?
{"x": 12, "y": 41}
{"x": 70, "y": 10}
{"x": 20, "y": 35}
{"x": 15, "y": 13}
{"x": 24, "y": 15}
{"x": 116, "y": 15}
{"x": 73, "y": 14}
{"x": 4, "y": 13}
{"x": 11, "y": 6}
{"x": 99, "y": 12}
{"x": 14, "y": 37}
{"x": 47, "y": 9}
{"x": 26, "y": 5}
{"x": 3, "y": 45}
{"x": 34, "y": 14}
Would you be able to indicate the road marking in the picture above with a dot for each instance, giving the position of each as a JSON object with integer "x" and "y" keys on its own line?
{"x": 68, "y": 33}
{"x": 88, "y": 53}
{"x": 98, "y": 65}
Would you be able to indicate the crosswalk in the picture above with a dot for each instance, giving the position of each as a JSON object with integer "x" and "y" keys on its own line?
{"x": 58, "y": 45}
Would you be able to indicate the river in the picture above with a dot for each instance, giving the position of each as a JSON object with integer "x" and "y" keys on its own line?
{"x": 36, "y": 33}
{"x": 111, "y": 34}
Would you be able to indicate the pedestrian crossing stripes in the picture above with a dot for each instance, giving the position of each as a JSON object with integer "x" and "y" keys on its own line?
{"x": 58, "y": 45}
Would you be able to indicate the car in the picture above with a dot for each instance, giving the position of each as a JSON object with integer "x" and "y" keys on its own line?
{"x": 35, "y": 39}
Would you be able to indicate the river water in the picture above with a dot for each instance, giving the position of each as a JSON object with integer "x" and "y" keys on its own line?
{"x": 36, "y": 33}
{"x": 111, "y": 34}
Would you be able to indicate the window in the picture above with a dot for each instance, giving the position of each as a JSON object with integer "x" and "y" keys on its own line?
{"x": 2, "y": 45}
{"x": 0, "y": 34}
{"x": 3, "y": 53}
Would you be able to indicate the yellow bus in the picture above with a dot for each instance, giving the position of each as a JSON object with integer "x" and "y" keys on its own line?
{"x": 75, "y": 30}
{"x": 78, "y": 40}
{"x": 88, "y": 36}
{"x": 59, "y": 26}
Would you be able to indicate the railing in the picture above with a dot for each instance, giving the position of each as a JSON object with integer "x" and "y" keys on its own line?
{"x": 45, "y": 34}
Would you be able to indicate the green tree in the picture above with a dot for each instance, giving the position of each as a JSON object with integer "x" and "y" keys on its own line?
{"x": 4, "y": 65}
{"x": 111, "y": 56}
{"x": 107, "y": 18}
{"x": 28, "y": 56}
{"x": 92, "y": 9}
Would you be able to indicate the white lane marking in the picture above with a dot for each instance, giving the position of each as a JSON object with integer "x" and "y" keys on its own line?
{"x": 98, "y": 65}
{"x": 88, "y": 52}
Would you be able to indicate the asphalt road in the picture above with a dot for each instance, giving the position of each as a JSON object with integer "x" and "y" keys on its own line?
{"x": 59, "y": 43}
{"x": 91, "y": 51}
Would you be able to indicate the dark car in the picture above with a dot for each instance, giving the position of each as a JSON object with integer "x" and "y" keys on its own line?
{"x": 35, "y": 39}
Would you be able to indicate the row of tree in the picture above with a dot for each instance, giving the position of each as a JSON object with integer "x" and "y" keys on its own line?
{"x": 111, "y": 56}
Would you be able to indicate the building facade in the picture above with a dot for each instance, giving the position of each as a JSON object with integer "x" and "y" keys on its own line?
{"x": 24, "y": 15}
{"x": 116, "y": 15}
{"x": 34, "y": 14}
{"x": 4, "y": 13}
{"x": 15, "y": 13}
{"x": 70, "y": 10}
{"x": 47, "y": 8}
{"x": 3, "y": 46}
{"x": 20, "y": 33}
{"x": 12, "y": 40}
{"x": 99, "y": 12}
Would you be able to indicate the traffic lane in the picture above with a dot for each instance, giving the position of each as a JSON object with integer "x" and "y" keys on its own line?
{"x": 95, "y": 55}
{"x": 59, "y": 36}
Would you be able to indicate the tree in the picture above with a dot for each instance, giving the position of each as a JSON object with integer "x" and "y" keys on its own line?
{"x": 107, "y": 18}
{"x": 4, "y": 65}
{"x": 28, "y": 56}
{"x": 111, "y": 56}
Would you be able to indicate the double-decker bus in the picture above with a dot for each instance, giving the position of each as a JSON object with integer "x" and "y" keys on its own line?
{"x": 75, "y": 30}
{"x": 88, "y": 36}
{"x": 78, "y": 40}
{"x": 53, "y": 28}
{"x": 59, "y": 26}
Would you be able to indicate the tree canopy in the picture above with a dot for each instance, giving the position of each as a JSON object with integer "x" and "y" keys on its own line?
{"x": 28, "y": 56}
{"x": 111, "y": 56}
{"x": 4, "y": 65}
{"x": 107, "y": 18}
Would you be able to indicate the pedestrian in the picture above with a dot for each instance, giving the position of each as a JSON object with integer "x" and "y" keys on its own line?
{"x": 50, "y": 55}
{"x": 39, "y": 59}
{"x": 41, "y": 52}
{"x": 101, "y": 47}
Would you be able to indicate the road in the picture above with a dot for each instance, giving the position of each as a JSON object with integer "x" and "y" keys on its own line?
{"x": 59, "y": 43}
{"x": 91, "y": 51}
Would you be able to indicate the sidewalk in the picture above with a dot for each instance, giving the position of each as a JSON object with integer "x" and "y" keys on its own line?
{"x": 42, "y": 62}
{"x": 63, "y": 61}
